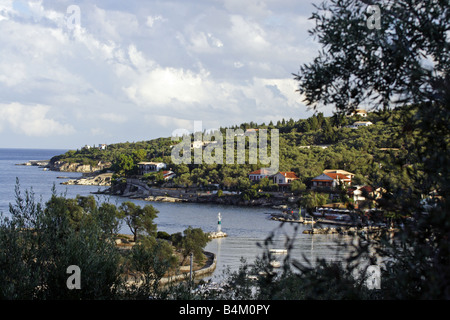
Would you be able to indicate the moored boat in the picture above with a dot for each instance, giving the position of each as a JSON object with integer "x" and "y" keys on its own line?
{"x": 332, "y": 214}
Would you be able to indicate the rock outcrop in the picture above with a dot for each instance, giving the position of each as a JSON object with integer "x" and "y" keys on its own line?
{"x": 103, "y": 179}
{"x": 78, "y": 167}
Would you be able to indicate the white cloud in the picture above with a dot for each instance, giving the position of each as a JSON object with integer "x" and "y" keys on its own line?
{"x": 248, "y": 36}
{"x": 151, "y": 20}
{"x": 162, "y": 86}
{"x": 113, "y": 117}
{"x": 32, "y": 120}
{"x": 161, "y": 63}
{"x": 249, "y": 7}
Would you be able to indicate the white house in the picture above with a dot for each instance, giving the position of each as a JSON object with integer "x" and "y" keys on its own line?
{"x": 197, "y": 144}
{"x": 360, "y": 194}
{"x": 284, "y": 178}
{"x": 358, "y": 124}
{"x": 147, "y": 167}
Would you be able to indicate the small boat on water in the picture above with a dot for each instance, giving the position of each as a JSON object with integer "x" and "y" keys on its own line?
{"x": 332, "y": 214}
{"x": 278, "y": 251}
{"x": 275, "y": 264}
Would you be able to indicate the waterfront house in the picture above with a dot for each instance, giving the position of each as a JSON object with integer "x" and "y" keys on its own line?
{"x": 361, "y": 194}
{"x": 330, "y": 179}
{"x": 148, "y": 167}
{"x": 284, "y": 178}
{"x": 258, "y": 174}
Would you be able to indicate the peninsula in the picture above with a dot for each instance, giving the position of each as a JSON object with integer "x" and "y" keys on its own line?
{"x": 322, "y": 161}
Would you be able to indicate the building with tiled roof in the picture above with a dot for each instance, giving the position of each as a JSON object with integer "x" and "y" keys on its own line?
{"x": 284, "y": 178}
{"x": 258, "y": 174}
{"x": 331, "y": 179}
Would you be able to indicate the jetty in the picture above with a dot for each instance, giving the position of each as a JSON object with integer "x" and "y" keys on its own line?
{"x": 350, "y": 230}
{"x": 287, "y": 218}
{"x": 215, "y": 235}
{"x": 219, "y": 233}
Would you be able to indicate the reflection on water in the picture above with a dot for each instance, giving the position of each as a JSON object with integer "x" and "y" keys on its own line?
{"x": 305, "y": 248}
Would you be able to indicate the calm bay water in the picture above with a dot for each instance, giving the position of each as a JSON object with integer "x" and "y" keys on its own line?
{"x": 245, "y": 226}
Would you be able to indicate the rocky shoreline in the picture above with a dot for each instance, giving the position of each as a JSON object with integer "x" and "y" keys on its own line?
{"x": 64, "y": 166}
{"x": 103, "y": 179}
{"x": 78, "y": 167}
{"x": 136, "y": 189}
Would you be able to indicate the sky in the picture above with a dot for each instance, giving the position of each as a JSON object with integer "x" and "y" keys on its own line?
{"x": 75, "y": 73}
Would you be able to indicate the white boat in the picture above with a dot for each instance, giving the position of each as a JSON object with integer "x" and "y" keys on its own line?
{"x": 275, "y": 264}
{"x": 278, "y": 251}
{"x": 332, "y": 214}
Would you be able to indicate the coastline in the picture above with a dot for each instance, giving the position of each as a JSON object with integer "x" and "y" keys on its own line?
{"x": 136, "y": 189}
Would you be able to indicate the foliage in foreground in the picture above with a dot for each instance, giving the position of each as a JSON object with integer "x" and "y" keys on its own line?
{"x": 40, "y": 242}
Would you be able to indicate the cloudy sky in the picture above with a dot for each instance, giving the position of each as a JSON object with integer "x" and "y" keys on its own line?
{"x": 107, "y": 71}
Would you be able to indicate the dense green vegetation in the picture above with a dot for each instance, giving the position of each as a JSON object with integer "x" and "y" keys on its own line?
{"x": 359, "y": 151}
{"x": 358, "y": 64}
{"x": 38, "y": 242}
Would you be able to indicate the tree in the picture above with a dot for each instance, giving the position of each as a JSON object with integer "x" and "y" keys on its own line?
{"x": 149, "y": 263}
{"x": 139, "y": 219}
{"x": 311, "y": 200}
{"x": 403, "y": 64}
{"x": 107, "y": 217}
{"x": 39, "y": 242}
{"x": 184, "y": 180}
{"x": 123, "y": 164}
{"x": 297, "y": 186}
{"x": 192, "y": 241}
{"x": 139, "y": 155}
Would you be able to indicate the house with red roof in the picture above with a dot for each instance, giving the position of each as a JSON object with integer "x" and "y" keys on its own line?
{"x": 169, "y": 174}
{"x": 284, "y": 178}
{"x": 258, "y": 174}
{"x": 331, "y": 179}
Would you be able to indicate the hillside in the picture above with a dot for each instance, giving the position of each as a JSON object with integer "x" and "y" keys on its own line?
{"x": 377, "y": 154}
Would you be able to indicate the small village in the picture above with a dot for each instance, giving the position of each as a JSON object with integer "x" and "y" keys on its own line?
{"x": 289, "y": 204}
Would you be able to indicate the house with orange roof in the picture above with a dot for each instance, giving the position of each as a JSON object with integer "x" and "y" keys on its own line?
{"x": 331, "y": 179}
{"x": 346, "y": 173}
{"x": 284, "y": 178}
{"x": 358, "y": 112}
{"x": 258, "y": 174}
{"x": 168, "y": 174}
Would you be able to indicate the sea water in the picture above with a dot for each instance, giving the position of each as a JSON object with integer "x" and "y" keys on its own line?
{"x": 248, "y": 228}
